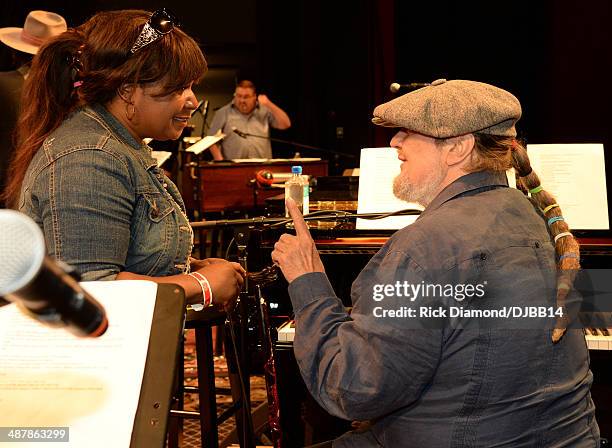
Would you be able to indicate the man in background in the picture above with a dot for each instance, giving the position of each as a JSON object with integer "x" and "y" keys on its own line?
{"x": 39, "y": 26}
{"x": 251, "y": 114}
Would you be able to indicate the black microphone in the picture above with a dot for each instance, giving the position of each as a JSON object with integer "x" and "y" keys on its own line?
{"x": 202, "y": 102}
{"x": 396, "y": 87}
{"x": 46, "y": 288}
{"x": 239, "y": 132}
{"x": 205, "y": 110}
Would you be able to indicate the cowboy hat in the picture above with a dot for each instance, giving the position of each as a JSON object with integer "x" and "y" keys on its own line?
{"x": 39, "y": 26}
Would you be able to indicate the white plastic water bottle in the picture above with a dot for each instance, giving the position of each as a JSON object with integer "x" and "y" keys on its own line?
{"x": 298, "y": 189}
{"x": 306, "y": 196}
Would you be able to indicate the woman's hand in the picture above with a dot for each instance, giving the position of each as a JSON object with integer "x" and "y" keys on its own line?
{"x": 199, "y": 264}
{"x": 225, "y": 279}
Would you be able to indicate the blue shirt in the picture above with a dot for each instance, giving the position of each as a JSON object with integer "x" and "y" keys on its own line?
{"x": 258, "y": 122}
{"x": 447, "y": 382}
{"x": 103, "y": 204}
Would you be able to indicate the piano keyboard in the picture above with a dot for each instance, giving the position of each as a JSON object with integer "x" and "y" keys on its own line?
{"x": 599, "y": 338}
{"x": 286, "y": 331}
{"x": 596, "y": 338}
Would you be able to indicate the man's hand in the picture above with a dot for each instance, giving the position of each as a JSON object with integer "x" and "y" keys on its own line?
{"x": 296, "y": 255}
{"x": 281, "y": 119}
{"x": 263, "y": 100}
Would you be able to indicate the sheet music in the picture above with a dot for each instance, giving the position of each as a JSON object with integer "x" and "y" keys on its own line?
{"x": 161, "y": 156}
{"x": 48, "y": 377}
{"x": 378, "y": 168}
{"x": 205, "y": 143}
{"x": 296, "y": 160}
{"x": 253, "y": 160}
{"x": 575, "y": 175}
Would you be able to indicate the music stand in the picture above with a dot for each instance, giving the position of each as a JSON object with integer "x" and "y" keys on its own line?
{"x": 151, "y": 421}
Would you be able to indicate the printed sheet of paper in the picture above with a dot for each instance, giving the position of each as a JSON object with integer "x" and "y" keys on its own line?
{"x": 575, "y": 175}
{"x": 161, "y": 156}
{"x": 205, "y": 143}
{"x": 378, "y": 167}
{"x": 48, "y": 377}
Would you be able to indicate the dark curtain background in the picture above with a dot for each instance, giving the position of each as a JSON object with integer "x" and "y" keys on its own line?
{"x": 328, "y": 63}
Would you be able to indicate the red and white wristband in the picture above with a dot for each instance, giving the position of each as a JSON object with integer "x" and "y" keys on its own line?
{"x": 207, "y": 297}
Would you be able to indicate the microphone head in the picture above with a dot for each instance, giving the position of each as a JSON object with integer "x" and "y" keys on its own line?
{"x": 264, "y": 178}
{"x": 197, "y": 108}
{"x": 394, "y": 87}
{"x": 238, "y": 131}
{"x": 22, "y": 246}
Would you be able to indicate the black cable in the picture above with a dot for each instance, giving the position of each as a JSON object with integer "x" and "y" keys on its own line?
{"x": 340, "y": 214}
{"x": 229, "y": 246}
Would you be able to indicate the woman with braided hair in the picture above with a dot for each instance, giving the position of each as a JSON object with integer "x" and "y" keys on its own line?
{"x": 436, "y": 351}
{"x": 82, "y": 170}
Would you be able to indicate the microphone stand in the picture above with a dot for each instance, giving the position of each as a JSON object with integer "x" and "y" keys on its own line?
{"x": 280, "y": 221}
{"x": 299, "y": 145}
{"x": 194, "y": 164}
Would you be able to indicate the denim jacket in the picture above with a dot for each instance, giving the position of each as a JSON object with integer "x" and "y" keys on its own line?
{"x": 433, "y": 383}
{"x": 103, "y": 203}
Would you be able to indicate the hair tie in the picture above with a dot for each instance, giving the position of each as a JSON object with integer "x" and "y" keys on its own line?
{"x": 563, "y": 285}
{"x": 549, "y": 208}
{"x": 536, "y": 189}
{"x": 569, "y": 255}
{"x": 561, "y": 235}
{"x": 555, "y": 219}
{"x": 77, "y": 84}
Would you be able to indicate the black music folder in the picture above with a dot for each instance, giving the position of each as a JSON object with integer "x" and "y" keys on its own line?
{"x": 151, "y": 422}
{"x": 114, "y": 390}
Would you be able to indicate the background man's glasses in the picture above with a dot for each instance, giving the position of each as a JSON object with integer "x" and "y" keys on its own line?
{"x": 160, "y": 23}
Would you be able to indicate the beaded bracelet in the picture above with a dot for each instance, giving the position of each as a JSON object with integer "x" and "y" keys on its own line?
{"x": 207, "y": 298}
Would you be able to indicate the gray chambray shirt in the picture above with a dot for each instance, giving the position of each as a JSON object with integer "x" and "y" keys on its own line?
{"x": 450, "y": 381}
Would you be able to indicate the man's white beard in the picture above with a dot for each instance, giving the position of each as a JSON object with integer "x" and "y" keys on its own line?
{"x": 422, "y": 194}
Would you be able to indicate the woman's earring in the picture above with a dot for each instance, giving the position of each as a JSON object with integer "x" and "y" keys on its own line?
{"x": 130, "y": 111}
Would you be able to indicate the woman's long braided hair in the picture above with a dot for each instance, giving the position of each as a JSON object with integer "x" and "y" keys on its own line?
{"x": 498, "y": 153}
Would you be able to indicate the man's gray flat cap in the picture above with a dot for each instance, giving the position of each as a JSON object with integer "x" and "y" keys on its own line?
{"x": 451, "y": 108}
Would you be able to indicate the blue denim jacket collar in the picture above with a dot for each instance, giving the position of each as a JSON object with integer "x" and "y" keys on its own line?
{"x": 465, "y": 184}
{"x": 141, "y": 150}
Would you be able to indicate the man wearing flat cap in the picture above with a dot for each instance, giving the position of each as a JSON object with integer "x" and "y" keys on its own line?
{"x": 24, "y": 42}
{"x": 427, "y": 356}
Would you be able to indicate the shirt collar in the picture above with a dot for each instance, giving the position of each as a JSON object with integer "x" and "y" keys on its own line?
{"x": 485, "y": 180}
{"x": 141, "y": 149}
{"x": 255, "y": 109}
